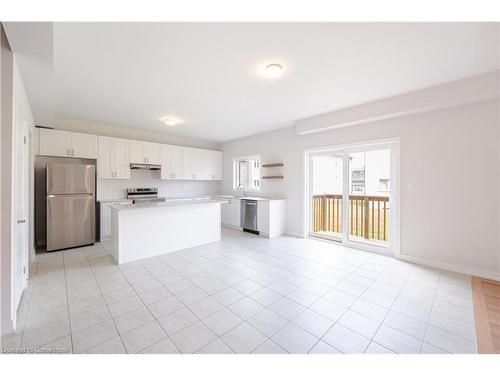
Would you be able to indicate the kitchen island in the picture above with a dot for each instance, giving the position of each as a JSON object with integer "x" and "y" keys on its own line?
{"x": 145, "y": 230}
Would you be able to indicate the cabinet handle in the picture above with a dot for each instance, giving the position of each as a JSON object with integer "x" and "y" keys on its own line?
{"x": 194, "y": 176}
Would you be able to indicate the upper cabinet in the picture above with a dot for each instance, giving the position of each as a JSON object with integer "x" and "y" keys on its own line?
{"x": 213, "y": 162}
{"x": 68, "y": 144}
{"x": 193, "y": 164}
{"x": 54, "y": 142}
{"x": 145, "y": 152}
{"x": 172, "y": 167}
{"x": 114, "y": 155}
{"x": 113, "y": 160}
{"x": 202, "y": 164}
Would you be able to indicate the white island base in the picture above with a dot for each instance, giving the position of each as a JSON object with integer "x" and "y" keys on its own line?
{"x": 146, "y": 230}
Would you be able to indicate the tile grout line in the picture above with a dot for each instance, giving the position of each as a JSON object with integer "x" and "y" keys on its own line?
{"x": 340, "y": 317}
{"x": 389, "y": 310}
{"x": 105, "y": 302}
{"x": 29, "y": 306}
{"x": 432, "y": 307}
{"x": 147, "y": 307}
{"x": 67, "y": 304}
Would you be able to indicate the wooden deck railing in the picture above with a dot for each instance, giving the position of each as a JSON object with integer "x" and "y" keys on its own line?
{"x": 368, "y": 215}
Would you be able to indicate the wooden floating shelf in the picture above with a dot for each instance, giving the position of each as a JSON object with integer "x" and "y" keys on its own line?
{"x": 271, "y": 177}
{"x": 272, "y": 165}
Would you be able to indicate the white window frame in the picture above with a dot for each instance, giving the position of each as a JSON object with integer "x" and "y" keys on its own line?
{"x": 249, "y": 186}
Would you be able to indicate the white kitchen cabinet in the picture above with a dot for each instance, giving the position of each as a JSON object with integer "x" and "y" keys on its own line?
{"x": 68, "y": 144}
{"x": 145, "y": 152}
{"x": 218, "y": 161}
{"x": 83, "y": 145}
{"x": 202, "y": 164}
{"x": 113, "y": 159}
{"x": 212, "y": 167}
{"x": 193, "y": 163}
{"x": 230, "y": 213}
{"x": 263, "y": 217}
{"x": 54, "y": 142}
{"x": 271, "y": 218}
{"x": 172, "y": 162}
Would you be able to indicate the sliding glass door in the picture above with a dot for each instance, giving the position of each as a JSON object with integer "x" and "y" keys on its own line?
{"x": 327, "y": 195}
{"x": 369, "y": 196}
{"x": 351, "y": 192}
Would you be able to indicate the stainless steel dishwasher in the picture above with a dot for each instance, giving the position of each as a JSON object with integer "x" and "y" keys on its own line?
{"x": 249, "y": 215}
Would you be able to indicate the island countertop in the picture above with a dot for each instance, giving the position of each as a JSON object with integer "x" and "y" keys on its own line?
{"x": 168, "y": 203}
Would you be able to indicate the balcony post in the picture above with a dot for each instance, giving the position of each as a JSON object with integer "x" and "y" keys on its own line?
{"x": 366, "y": 224}
{"x": 323, "y": 206}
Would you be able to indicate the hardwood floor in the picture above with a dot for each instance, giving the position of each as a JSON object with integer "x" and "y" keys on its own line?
{"x": 486, "y": 296}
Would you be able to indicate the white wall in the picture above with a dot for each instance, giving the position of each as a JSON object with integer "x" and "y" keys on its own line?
{"x": 450, "y": 156}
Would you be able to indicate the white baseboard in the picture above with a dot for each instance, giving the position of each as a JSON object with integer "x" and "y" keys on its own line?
{"x": 452, "y": 267}
{"x": 294, "y": 234}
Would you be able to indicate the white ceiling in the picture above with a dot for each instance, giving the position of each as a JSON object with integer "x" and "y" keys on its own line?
{"x": 208, "y": 74}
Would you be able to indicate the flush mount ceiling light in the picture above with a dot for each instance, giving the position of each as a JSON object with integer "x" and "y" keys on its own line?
{"x": 274, "y": 71}
{"x": 169, "y": 121}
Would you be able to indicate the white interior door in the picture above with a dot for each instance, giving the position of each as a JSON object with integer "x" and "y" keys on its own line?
{"x": 21, "y": 212}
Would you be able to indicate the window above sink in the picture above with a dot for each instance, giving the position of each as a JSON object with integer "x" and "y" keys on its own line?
{"x": 246, "y": 173}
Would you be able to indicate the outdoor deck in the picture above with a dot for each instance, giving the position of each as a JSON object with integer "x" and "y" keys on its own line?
{"x": 368, "y": 217}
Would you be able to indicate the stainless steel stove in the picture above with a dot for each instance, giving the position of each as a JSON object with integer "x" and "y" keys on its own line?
{"x": 144, "y": 195}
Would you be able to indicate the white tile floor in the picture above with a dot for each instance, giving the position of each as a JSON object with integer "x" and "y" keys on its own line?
{"x": 245, "y": 294}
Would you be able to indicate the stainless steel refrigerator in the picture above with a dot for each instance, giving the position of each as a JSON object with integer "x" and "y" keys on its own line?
{"x": 70, "y": 205}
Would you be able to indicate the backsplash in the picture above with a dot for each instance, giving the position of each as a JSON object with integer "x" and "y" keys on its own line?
{"x": 116, "y": 189}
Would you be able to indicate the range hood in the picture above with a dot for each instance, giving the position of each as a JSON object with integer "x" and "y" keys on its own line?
{"x": 152, "y": 167}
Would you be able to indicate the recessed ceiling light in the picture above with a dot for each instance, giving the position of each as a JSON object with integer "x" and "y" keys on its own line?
{"x": 170, "y": 121}
{"x": 274, "y": 71}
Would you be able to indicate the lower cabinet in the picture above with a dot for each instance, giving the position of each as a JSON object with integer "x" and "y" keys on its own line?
{"x": 230, "y": 214}
{"x": 271, "y": 218}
